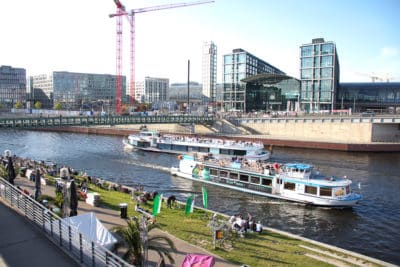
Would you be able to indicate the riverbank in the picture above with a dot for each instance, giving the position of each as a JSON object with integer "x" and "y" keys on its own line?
{"x": 270, "y": 248}
{"x": 267, "y": 140}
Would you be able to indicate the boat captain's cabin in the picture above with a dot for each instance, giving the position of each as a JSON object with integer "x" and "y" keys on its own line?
{"x": 298, "y": 170}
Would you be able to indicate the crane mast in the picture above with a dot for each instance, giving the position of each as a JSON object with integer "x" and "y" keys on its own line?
{"x": 121, "y": 11}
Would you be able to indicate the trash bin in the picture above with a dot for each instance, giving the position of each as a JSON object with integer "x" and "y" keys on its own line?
{"x": 124, "y": 210}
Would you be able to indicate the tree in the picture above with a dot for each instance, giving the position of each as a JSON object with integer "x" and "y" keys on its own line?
{"x": 1, "y": 105}
{"x": 38, "y": 105}
{"x": 136, "y": 242}
{"x": 58, "y": 106}
{"x": 18, "y": 105}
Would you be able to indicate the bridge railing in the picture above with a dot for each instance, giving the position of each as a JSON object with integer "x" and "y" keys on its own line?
{"x": 59, "y": 121}
{"x": 85, "y": 251}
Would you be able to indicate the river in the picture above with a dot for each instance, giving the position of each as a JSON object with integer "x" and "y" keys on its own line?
{"x": 370, "y": 228}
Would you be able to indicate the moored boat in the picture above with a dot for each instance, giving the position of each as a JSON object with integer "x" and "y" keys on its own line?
{"x": 291, "y": 181}
{"x": 178, "y": 144}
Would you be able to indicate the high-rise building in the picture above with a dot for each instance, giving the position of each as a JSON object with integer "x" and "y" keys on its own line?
{"x": 12, "y": 85}
{"x": 238, "y": 65}
{"x": 155, "y": 89}
{"x": 76, "y": 90}
{"x": 209, "y": 71}
{"x": 319, "y": 75}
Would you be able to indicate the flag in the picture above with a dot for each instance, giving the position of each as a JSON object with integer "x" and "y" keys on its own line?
{"x": 205, "y": 197}
{"x": 189, "y": 205}
{"x": 157, "y": 204}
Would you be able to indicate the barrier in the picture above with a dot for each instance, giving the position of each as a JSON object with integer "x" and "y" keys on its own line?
{"x": 67, "y": 238}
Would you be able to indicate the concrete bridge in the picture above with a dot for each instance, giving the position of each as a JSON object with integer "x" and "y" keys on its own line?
{"x": 59, "y": 121}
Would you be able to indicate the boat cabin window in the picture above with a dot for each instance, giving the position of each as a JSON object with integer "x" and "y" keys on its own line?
{"x": 255, "y": 180}
{"x": 223, "y": 173}
{"x": 214, "y": 172}
{"x": 164, "y": 146}
{"x": 239, "y": 152}
{"x": 289, "y": 186}
{"x": 204, "y": 149}
{"x": 225, "y": 151}
{"x": 348, "y": 190}
{"x": 244, "y": 178}
{"x": 266, "y": 182}
{"x": 233, "y": 175}
{"x": 324, "y": 191}
{"x": 310, "y": 190}
{"x": 179, "y": 147}
{"x": 193, "y": 148}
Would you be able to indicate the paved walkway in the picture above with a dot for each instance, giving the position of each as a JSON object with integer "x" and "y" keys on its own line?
{"x": 23, "y": 245}
{"x": 111, "y": 218}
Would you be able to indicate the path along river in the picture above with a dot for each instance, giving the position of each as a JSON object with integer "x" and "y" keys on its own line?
{"x": 371, "y": 228}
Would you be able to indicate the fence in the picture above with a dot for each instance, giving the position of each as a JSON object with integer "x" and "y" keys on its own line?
{"x": 83, "y": 250}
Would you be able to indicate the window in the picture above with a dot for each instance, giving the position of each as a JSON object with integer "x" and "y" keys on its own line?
{"x": 306, "y": 51}
{"x": 306, "y": 62}
{"x": 326, "y": 72}
{"x": 306, "y": 73}
{"x": 325, "y": 191}
{"x": 266, "y": 182}
{"x": 289, "y": 186}
{"x": 327, "y": 49}
{"x": 214, "y": 172}
{"x": 228, "y": 59}
{"x": 233, "y": 175}
{"x": 326, "y": 61}
{"x": 255, "y": 180}
{"x": 223, "y": 173}
{"x": 310, "y": 190}
{"x": 244, "y": 178}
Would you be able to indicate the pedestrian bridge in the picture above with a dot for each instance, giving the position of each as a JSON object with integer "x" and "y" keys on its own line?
{"x": 59, "y": 121}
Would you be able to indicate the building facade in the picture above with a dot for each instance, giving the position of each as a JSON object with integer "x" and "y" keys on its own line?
{"x": 272, "y": 92}
{"x": 155, "y": 89}
{"x": 75, "y": 91}
{"x": 209, "y": 71}
{"x": 238, "y": 65}
{"x": 12, "y": 86}
{"x": 319, "y": 75}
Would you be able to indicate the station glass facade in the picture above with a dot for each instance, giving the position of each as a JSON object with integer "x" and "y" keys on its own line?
{"x": 379, "y": 97}
{"x": 12, "y": 85}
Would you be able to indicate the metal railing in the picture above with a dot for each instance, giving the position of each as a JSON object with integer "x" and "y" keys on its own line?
{"x": 85, "y": 251}
{"x": 35, "y": 122}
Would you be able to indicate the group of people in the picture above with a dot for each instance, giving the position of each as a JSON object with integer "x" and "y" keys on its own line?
{"x": 243, "y": 225}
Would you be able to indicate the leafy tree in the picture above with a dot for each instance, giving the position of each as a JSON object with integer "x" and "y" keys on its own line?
{"x": 135, "y": 242}
{"x": 1, "y": 105}
{"x": 38, "y": 105}
{"x": 58, "y": 106}
{"x": 18, "y": 105}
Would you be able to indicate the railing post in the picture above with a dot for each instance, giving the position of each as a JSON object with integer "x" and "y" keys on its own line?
{"x": 93, "y": 261}
{"x": 60, "y": 232}
{"x": 80, "y": 247}
{"x": 70, "y": 237}
{"x": 43, "y": 220}
{"x": 51, "y": 225}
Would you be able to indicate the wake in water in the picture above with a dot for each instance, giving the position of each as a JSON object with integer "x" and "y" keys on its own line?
{"x": 148, "y": 165}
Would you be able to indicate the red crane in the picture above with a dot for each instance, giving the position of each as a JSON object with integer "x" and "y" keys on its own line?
{"x": 131, "y": 18}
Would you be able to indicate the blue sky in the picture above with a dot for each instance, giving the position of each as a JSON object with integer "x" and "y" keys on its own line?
{"x": 78, "y": 36}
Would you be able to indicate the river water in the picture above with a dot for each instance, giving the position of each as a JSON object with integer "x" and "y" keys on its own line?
{"x": 370, "y": 228}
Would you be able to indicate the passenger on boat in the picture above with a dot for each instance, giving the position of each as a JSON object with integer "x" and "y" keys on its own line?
{"x": 259, "y": 227}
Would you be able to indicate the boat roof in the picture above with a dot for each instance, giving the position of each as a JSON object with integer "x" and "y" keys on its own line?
{"x": 300, "y": 166}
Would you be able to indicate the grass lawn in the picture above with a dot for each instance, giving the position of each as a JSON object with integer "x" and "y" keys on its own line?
{"x": 266, "y": 249}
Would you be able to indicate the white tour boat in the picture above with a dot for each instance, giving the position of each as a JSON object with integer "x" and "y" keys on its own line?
{"x": 292, "y": 181}
{"x": 178, "y": 144}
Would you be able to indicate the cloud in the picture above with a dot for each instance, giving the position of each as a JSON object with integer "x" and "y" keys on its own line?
{"x": 388, "y": 51}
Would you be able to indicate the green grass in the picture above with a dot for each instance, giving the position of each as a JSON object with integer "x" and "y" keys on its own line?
{"x": 266, "y": 249}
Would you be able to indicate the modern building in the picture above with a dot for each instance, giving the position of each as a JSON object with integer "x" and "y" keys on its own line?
{"x": 237, "y": 66}
{"x": 12, "y": 86}
{"x": 209, "y": 71}
{"x": 319, "y": 75}
{"x": 155, "y": 89}
{"x": 77, "y": 90}
{"x": 272, "y": 92}
{"x": 374, "y": 96}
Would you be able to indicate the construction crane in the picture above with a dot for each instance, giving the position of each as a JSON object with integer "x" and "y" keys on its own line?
{"x": 121, "y": 11}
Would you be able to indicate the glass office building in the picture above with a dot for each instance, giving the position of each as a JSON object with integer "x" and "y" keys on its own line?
{"x": 78, "y": 90}
{"x": 237, "y": 66}
{"x": 319, "y": 74}
{"x": 12, "y": 85}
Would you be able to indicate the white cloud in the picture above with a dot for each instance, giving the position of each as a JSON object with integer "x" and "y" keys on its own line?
{"x": 389, "y": 51}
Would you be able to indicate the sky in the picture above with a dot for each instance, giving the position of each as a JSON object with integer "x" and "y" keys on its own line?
{"x": 79, "y": 36}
